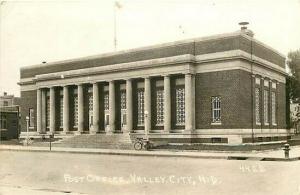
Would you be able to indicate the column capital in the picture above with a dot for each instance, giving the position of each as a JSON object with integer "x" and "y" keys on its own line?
{"x": 189, "y": 73}
{"x": 166, "y": 75}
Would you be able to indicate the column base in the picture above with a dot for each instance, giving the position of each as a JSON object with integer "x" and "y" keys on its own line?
{"x": 187, "y": 131}
{"x": 93, "y": 132}
{"x": 78, "y": 133}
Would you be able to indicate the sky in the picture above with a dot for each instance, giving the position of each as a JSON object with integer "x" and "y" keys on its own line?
{"x": 35, "y": 31}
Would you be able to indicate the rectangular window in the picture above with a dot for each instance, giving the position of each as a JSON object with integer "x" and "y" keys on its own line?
{"x": 3, "y": 122}
{"x": 216, "y": 109}
{"x": 75, "y": 110}
{"x": 266, "y": 107}
{"x": 31, "y": 117}
{"x": 257, "y": 106}
{"x": 140, "y": 109}
{"x": 180, "y": 106}
{"x": 273, "y": 96}
{"x": 47, "y": 110}
{"x": 123, "y": 100}
{"x": 160, "y": 107}
{"x": 5, "y": 103}
{"x": 90, "y": 98}
{"x": 61, "y": 111}
{"x": 106, "y": 101}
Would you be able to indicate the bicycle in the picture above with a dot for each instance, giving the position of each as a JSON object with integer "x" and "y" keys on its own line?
{"x": 141, "y": 143}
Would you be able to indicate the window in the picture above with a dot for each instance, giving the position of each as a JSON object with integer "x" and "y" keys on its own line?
{"x": 123, "y": 100}
{"x": 48, "y": 111}
{"x": 61, "y": 112}
{"x": 3, "y": 122}
{"x": 216, "y": 109}
{"x": 75, "y": 110}
{"x": 31, "y": 117}
{"x": 5, "y": 103}
{"x": 140, "y": 98}
{"x": 106, "y": 101}
{"x": 257, "y": 106}
{"x": 180, "y": 106}
{"x": 160, "y": 107}
{"x": 90, "y": 97}
{"x": 266, "y": 107}
{"x": 273, "y": 96}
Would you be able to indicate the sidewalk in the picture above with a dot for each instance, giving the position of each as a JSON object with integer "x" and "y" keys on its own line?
{"x": 272, "y": 155}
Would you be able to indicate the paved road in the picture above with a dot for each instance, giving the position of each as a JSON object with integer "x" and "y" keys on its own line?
{"x": 61, "y": 173}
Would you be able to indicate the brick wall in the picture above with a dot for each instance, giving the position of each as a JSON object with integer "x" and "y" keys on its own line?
{"x": 197, "y": 48}
{"x": 234, "y": 88}
{"x": 281, "y": 110}
{"x": 28, "y": 100}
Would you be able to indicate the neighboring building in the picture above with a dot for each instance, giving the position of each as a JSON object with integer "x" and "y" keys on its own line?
{"x": 227, "y": 88}
{"x": 9, "y": 116}
{"x": 295, "y": 116}
{"x": 9, "y": 100}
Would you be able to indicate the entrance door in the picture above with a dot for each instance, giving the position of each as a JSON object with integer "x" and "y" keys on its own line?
{"x": 106, "y": 122}
{"x": 90, "y": 120}
{"x": 123, "y": 120}
{"x": 90, "y": 117}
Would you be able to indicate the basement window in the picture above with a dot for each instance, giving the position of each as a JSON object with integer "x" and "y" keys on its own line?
{"x": 216, "y": 140}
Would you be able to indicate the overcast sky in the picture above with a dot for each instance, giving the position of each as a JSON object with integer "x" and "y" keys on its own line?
{"x": 36, "y": 31}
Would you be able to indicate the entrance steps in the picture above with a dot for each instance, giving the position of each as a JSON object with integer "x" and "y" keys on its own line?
{"x": 114, "y": 141}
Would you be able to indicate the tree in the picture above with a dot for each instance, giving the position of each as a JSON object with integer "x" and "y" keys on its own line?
{"x": 293, "y": 62}
{"x": 292, "y": 83}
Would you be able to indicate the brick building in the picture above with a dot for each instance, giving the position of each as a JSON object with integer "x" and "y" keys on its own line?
{"x": 227, "y": 88}
{"x": 9, "y": 116}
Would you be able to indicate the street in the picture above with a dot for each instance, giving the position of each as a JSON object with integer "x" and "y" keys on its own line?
{"x": 61, "y": 173}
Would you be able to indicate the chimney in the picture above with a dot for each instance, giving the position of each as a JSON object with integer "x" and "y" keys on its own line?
{"x": 245, "y": 30}
{"x": 5, "y": 93}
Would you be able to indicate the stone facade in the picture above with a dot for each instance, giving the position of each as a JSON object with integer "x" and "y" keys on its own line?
{"x": 202, "y": 90}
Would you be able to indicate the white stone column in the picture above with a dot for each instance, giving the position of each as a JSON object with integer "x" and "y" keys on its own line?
{"x": 129, "y": 108}
{"x": 52, "y": 109}
{"x": 147, "y": 105}
{"x": 167, "y": 104}
{"x": 39, "y": 110}
{"x": 189, "y": 102}
{"x": 66, "y": 114}
{"x": 43, "y": 110}
{"x": 112, "y": 107}
{"x": 95, "y": 108}
{"x": 80, "y": 109}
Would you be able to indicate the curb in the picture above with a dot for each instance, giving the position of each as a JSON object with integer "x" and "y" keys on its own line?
{"x": 148, "y": 153}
